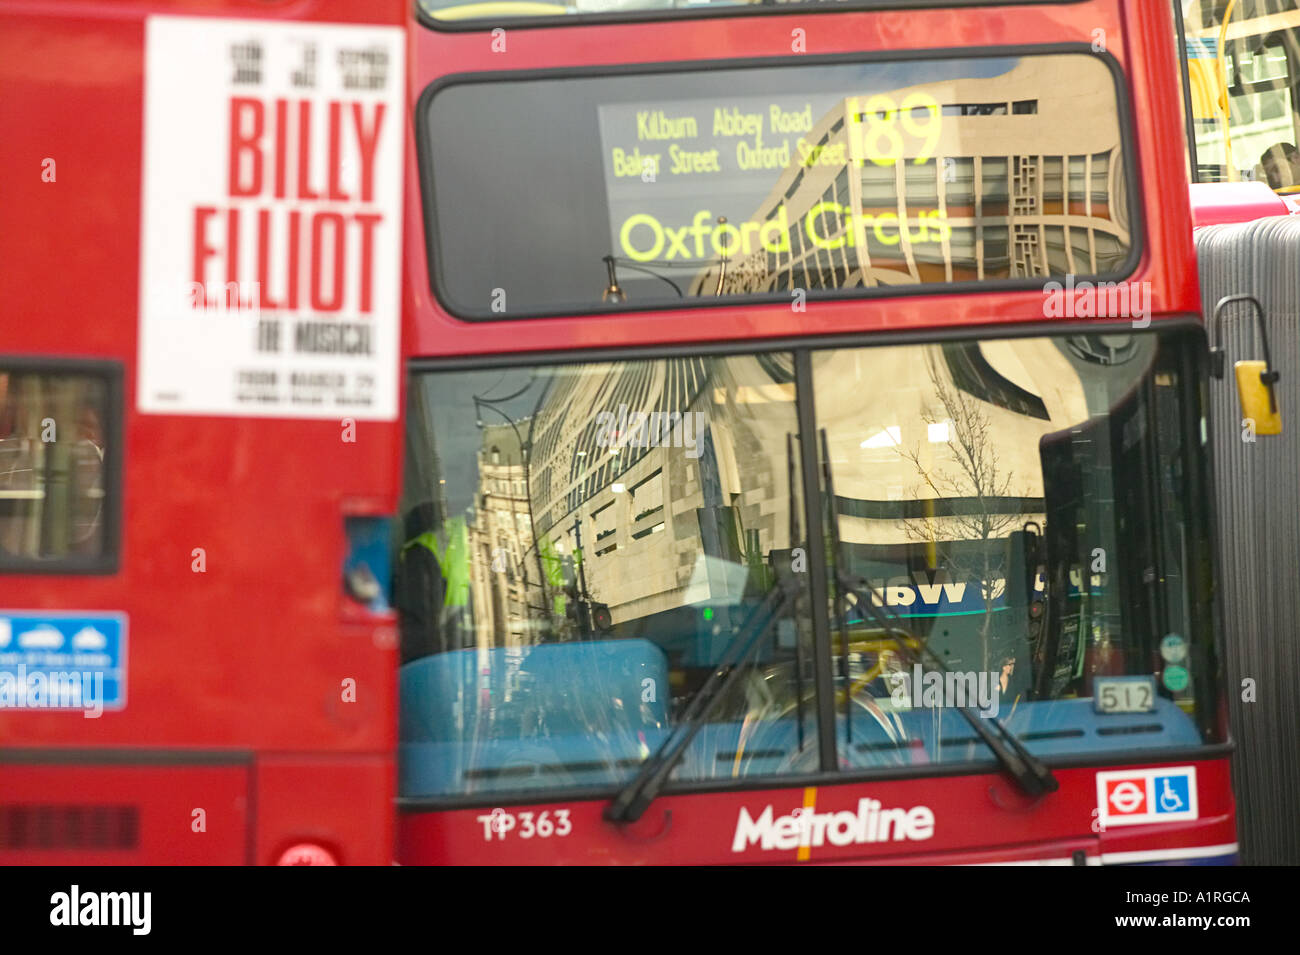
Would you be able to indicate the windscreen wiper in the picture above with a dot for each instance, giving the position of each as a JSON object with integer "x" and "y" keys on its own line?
{"x": 631, "y": 802}
{"x": 1029, "y": 773}
{"x": 1034, "y": 778}
{"x": 635, "y": 797}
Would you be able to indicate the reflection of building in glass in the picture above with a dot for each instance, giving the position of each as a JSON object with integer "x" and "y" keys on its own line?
{"x": 934, "y": 443}
{"x": 940, "y": 454}
{"x": 660, "y": 488}
{"x": 681, "y": 523}
{"x": 500, "y": 539}
{"x": 668, "y": 510}
{"x": 994, "y": 194}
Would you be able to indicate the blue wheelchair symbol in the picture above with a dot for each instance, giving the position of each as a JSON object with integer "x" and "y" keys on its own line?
{"x": 1172, "y": 794}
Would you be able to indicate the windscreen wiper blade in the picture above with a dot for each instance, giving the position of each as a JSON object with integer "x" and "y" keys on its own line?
{"x": 634, "y": 798}
{"x": 1029, "y": 773}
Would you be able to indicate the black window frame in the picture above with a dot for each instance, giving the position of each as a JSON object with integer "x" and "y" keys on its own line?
{"x": 1203, "y": 554}
{"x": 112, "y": 373}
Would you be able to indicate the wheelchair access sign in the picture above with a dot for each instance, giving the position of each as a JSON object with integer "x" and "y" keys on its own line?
{"x": 1142, "y": 796}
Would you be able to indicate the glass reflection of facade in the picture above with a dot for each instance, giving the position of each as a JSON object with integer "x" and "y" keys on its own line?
{"x": 654, "y": 493}
{"x": 500, "y": 538}
{"x": 1014, "y": 188}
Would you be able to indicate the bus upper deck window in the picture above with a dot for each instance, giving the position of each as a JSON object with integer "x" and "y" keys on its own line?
{"x": 688, "y": 187}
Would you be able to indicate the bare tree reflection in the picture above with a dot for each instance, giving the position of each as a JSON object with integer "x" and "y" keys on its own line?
{"x": 963, "y": 537}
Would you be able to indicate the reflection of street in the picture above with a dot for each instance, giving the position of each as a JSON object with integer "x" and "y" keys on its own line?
{"x": 623, "y": 524}
{"x": 935, "y": 452}
{"x": 661, "y": 506}
{"x": 626, "y": 498}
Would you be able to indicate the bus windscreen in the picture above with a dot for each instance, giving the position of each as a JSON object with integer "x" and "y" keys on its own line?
{"x": 584, "y": 544}
{"x": 562, "y": 194}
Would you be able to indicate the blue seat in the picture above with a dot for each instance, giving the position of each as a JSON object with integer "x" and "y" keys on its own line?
{"x": 551, "y": 715}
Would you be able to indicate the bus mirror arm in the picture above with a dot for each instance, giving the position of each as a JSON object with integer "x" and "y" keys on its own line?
{"x": 615, "y": 293}
{"x": 612, "y": 293}
{"x": 1268, "y": 376}
{"x": 1218, "y": 354}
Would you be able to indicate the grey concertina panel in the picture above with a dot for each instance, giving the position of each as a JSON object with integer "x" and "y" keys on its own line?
{"x": 1258, "y": 502}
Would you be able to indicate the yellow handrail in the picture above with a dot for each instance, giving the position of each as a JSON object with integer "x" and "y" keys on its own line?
{"x": 1223, "y": 93}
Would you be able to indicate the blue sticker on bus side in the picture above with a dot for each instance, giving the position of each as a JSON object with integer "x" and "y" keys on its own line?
{"x": 74, "y": 660}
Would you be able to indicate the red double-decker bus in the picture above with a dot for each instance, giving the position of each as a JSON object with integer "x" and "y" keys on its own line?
{"x": 797, "y": 449}
{"x": 806, "y": 440}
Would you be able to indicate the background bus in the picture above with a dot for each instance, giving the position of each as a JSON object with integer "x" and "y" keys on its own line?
{"x": 1241, "y": 71}
{"x": 194, "y": 483}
